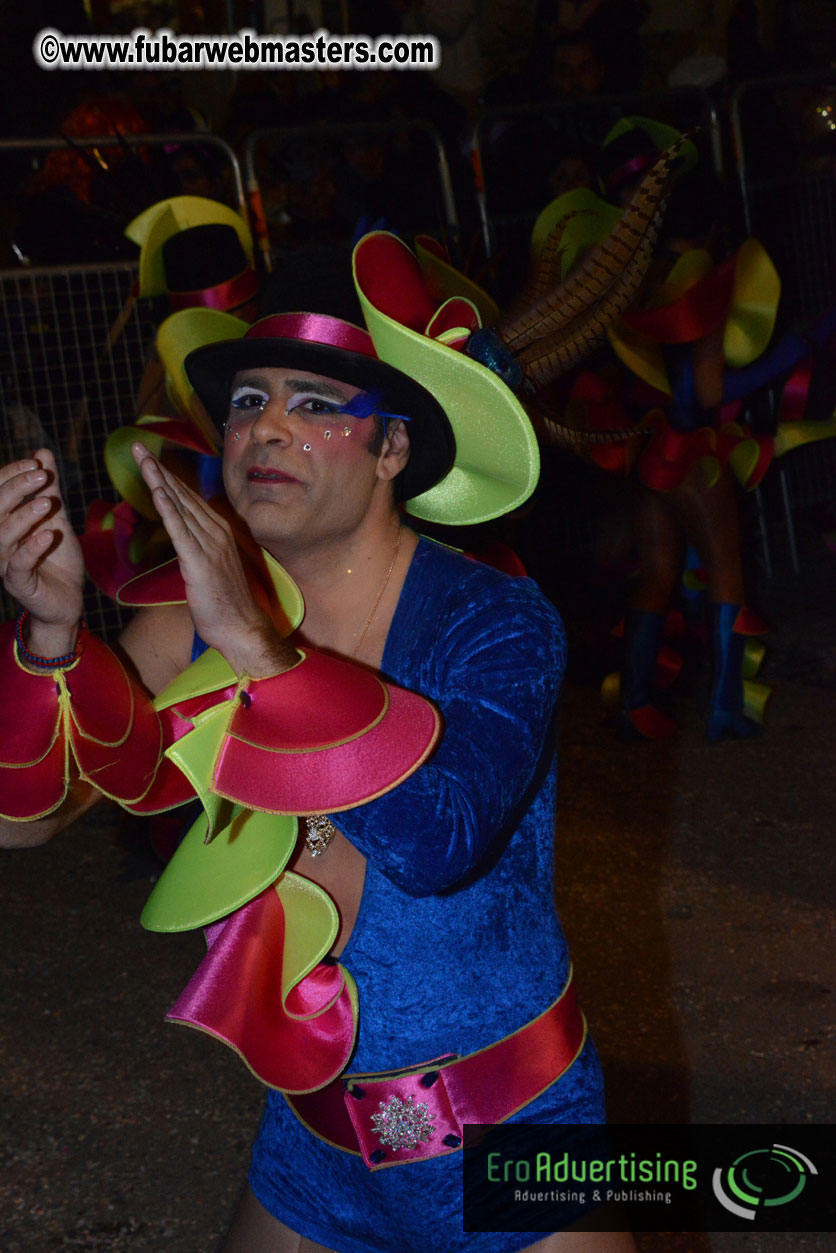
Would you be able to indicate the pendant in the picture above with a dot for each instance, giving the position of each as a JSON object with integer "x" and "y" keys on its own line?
{"x": 321, "y": 832}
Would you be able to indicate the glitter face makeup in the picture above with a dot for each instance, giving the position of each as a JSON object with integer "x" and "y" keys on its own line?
{"x": 313, "y": 404}
{"x": 295, "y": 409}
{"x": 248, "y": 399}
{"x": 295, "y": 473}
{"x": 314, "y": 401}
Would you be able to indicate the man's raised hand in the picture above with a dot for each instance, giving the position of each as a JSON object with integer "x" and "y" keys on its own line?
{"x": 41, "y": 563}
{"x": 221, "y": 604}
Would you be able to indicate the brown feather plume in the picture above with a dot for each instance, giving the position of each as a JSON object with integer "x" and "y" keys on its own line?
{"x": 546, "y": 274}
{"x": 555, "y": 353}
{"x": 577, "y": 437}
{"x": 565, "y": 324}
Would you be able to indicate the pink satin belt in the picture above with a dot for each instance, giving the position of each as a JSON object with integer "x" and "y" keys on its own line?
{"x": 431, "y": 1102}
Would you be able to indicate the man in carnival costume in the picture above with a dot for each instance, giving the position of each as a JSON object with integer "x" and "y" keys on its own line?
{"x": 376, "y": 973}
{"x": 697, "y": 344}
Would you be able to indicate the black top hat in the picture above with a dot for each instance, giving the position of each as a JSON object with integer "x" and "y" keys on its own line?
{"x": 203, "y": 256}
{"x": 339, "y": 350}
{"x": 207, "y": 265}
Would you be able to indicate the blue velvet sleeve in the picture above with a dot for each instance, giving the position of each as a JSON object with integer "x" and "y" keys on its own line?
{"x": 491, "y": 656}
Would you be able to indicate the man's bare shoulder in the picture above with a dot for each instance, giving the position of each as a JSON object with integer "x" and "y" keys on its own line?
{"x": 158, "y": 641}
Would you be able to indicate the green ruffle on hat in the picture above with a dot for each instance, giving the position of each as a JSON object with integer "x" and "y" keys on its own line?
{"x": 497, "y": 460}
{"x": 586, "y": 218}
{"x": 158, "y": 223}
{"x": 121, "y": 468}
{"x": 663, "y": 136}
{"x": 177, "y": 336}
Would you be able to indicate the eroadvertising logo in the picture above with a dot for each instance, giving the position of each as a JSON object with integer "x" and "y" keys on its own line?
{"x": 532, "y": 1178}
{"x": 762, "y": 1177}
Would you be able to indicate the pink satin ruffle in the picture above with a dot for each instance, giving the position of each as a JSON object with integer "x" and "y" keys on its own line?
{"x": 317, "y": 703}
{"x": 236, "y": 995}
{"x": 335, "y": 778}
{"x": 116, "y": 742}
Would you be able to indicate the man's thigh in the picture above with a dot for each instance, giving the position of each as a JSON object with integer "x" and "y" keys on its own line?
{"x": 585, "y": 1242}
{"x": 255, "y": 1230}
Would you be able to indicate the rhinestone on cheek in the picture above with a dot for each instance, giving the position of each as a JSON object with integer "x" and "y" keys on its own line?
{"x": 327, "y": 435}
{"x": 306, "y": 448}
{"x": 403, "y": 1124}
{"x": 346, "y": 430}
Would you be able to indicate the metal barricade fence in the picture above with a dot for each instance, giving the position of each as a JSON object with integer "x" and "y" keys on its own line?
{"x": 785, "y": 144}
{"x": 314, "y": 189}
{"x": 63, "y": 389}
{"x": 61, "y": 385}
{"x": 24, "y": 161}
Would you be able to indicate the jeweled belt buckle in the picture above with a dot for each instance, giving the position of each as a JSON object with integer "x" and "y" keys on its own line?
{"x": 403, "y": 1116}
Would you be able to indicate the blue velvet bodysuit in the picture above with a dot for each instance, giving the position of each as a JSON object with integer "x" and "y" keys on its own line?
{"x": 457, "y": 943}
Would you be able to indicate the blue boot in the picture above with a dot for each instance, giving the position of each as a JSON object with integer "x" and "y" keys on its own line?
{"x": 640, "y": 717}
{"x": 726, "y": 719}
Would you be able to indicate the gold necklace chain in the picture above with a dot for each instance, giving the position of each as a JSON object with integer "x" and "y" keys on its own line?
{"x": 379, "y": 597}
{"x": 320, "y": 828}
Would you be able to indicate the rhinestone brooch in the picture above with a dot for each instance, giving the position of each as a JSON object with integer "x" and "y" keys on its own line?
{"x": 403, "y": 1124}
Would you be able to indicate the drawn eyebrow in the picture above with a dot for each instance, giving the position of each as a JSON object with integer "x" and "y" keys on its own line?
{"x": 249, "y": 387}
{"x": 253, "y": 384}
{"x": 318, "y": 387}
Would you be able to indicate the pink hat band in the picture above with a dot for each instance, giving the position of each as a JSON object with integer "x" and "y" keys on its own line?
{"x": 225, "y": 296}
{"x": 314, "y": 328}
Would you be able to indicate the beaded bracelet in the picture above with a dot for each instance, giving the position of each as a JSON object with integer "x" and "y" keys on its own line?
{"x": 44, "y": 663}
